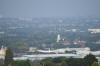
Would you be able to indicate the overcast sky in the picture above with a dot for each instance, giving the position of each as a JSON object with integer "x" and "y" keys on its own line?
{"x": 49, "y": 8}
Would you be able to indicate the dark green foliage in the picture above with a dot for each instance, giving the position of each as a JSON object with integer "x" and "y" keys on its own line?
{"x": 89, "y": 59}
{"x": 57, "y": 64}
{"x": 3, "y": 65}
{"x": 59, "y": 59}
{"x": 47, "y": 62}
{"x": 63, "y": 61}
{"x": 95, "y": 64}
{"x": 23, "y": 63}
{"x": 8, "y": 58}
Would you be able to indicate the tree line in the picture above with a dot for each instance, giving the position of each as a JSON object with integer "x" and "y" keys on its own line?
{"x": 89, "y": 60}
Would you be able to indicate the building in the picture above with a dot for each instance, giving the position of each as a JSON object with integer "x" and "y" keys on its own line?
{"x": 58, "y": 38}
{"x": 2, "y": 52}
{"x": 94, "y": 30}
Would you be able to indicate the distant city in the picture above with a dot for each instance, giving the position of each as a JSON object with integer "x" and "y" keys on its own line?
{"x": 40, "y": 38}
{"x": 43, "y": 32}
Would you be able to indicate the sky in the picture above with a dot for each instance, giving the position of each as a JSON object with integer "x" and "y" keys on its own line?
{"x": 49, "y": 8}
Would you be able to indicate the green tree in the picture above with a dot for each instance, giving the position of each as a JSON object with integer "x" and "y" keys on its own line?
{"x": 28, "y": 62}
{"x": 2, "y": 64}
{"x": 59, "y": 59}
{"x": 47, "y": 63}
{"x": 95, "y": 63}
{"x": 8, "y": 57}
{"x": 63, "y": 63}
{"x": 89, "y": 59}
{"x": 23, "y": 63}
{"x": 9, "y": 64}
{"x": 58, "y": 64}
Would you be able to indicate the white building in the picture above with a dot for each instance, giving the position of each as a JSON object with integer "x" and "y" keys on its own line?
{"x": 2, "y": 52}
{"x": 94, "y": 30}
{"x": 58, "y": 38}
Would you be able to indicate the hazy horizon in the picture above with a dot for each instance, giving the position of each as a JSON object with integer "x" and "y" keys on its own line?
{"x": 49, "y": 8}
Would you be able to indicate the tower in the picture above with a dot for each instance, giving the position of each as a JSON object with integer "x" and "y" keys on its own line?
{"x": 58, "y": 38}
